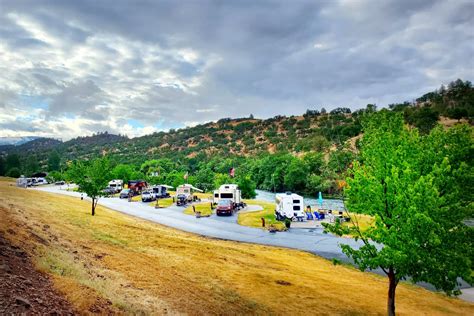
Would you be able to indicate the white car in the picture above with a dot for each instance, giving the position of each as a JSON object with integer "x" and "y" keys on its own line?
{"x": 148, "y": 196}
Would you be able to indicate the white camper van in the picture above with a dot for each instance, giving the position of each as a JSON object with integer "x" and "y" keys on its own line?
{"x": 289, "y": 205}
{"x": 229, "y": 192}
{"x": 187, "y": 190}
{"x": 116, "y": 185}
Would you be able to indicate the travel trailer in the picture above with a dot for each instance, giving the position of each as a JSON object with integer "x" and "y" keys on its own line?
{"x": 289, "y": 205}
{"x": 161, "y": 190}
{"x": 116, "y": 185}
{"x": 39, "y": 181}
{"x": 229, "y": 192}
{"x": 137, "y": 186}
{"x": 187, "y": 190}
{"x": 22, "y": 182}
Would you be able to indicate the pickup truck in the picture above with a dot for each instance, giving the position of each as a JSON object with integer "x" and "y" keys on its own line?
{"x": 148, "y": 196}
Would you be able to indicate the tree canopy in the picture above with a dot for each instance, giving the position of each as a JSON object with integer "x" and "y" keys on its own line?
{"x": 91, "y": 177}
{"x": 419, "y": 190}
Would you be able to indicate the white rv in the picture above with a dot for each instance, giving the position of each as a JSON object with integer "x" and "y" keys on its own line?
{"x": 187, "y": 190}
{"x": 161, "y": 190}
{"x": 22, "y": 182}
{"x": 289, "y": 205}
{"x": 116, "y": 185}
{"x": 229, "y": 192}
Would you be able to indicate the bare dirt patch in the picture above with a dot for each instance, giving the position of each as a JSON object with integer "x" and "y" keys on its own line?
{"x": 23, "y": 289}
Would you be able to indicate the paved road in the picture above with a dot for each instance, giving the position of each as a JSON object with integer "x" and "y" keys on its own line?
{"x": 311, "y": 240}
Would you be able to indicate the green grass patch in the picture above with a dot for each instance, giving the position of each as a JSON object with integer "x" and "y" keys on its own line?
{"x": 254, "y": 219}
{"x": 204, "y": 208}
{"x": 163, "y": 203}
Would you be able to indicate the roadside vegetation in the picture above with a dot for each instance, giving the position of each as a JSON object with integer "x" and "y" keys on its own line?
{"x": 305, "y": 154}
{"x": 134, "y": 266}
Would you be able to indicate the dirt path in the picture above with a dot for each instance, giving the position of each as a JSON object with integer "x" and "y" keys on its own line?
{"x": 25, "y": 290}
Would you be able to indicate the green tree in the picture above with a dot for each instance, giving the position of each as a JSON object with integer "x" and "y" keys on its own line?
{"x": 247, "y": 187}
{"x": 414, "y": 188}
{"x": 32, "y": 165}
{"x": 14, "y": 172}
{"x": 123, "y": 172}
{"x": 54, "y": 161}
{"x": 12, "y": 161}
{"x": 2, "y": 166}
{"x": 296, "y": 175}
{"x": 222, "y": 178}
{"x": 91, "y": 177}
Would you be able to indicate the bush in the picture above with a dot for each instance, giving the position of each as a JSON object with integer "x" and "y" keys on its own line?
{"x": 14, "y": 172}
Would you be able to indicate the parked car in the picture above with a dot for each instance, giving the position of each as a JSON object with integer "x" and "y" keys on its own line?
{"x": 181, "y": 200}
{"x": 124, "y": 193}
{"x": 225, "y": 207}
{"x": 109, "y": 191}
{"x": 148, "y": 195}
{"x": 60, "y": 183}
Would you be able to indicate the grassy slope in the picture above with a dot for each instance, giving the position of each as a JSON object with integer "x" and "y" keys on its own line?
{"x": 144, "y": 267}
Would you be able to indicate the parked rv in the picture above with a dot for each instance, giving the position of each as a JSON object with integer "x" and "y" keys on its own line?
{"x": 137, "y": 186}
{"x": 116, "y": 185}
{"x": 229, "y": 192}
{"x": 188, "y": 191}
{"x": 289, "y": 205}
{"x": 22, "y": 182}
{"x": 148, "y": 196}
{"x": 39, "y": 181}
{"x": 161, "y": 191}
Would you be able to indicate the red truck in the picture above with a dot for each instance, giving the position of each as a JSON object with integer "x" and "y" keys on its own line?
{"x": 225, "y": 207}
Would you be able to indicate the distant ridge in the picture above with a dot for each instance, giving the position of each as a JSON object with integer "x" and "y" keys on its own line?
{"x": 16, "y": 140}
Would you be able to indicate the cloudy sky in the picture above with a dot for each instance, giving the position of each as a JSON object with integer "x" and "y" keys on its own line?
{"x": 70, "y": 68}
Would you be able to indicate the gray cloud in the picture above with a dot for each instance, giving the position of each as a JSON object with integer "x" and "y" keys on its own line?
{"x": 165, "y": 63}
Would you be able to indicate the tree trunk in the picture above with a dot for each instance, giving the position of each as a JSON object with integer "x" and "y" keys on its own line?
{"x": 93, "y": 206}
{"x": 392, "y": 286}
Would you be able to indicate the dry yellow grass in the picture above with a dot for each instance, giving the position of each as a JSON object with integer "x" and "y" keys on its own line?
{"x": 146, "y": 268}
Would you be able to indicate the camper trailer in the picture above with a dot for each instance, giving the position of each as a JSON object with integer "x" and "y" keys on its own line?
{"x": 116, "y": 185}
{"x": 22, "y": 182}
{"x": 289, "y": 205}
{"x": 137, "y": 186}
{"x": 229, "y": 192}
{"x": 161, "y": 191}
{"x": 187, "y": 190}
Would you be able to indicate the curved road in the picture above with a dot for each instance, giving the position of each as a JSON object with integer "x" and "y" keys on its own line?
{"x": 311, "y": 240}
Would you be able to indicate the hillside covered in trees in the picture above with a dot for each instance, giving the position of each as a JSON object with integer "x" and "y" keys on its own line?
{"x": 306, "y": 153}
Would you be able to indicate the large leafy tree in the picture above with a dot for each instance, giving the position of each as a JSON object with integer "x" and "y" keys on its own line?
{"x": 91, "y": 177}
{"x": 419, "y": 190}
{"x": 54, "y": 161}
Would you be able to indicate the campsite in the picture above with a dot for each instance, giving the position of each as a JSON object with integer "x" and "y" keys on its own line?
{"x": 306, "y": 157}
